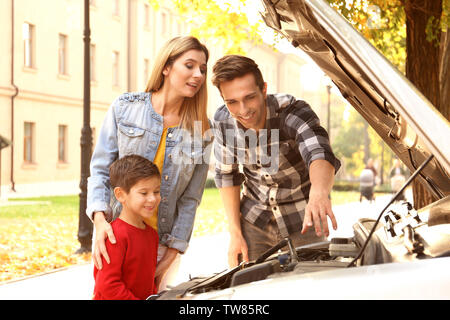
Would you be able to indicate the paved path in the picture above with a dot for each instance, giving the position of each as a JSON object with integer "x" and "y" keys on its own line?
{"x": 205, "y": 256}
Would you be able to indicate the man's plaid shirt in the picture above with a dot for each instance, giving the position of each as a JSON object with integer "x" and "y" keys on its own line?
{"x": 275, "y": 165}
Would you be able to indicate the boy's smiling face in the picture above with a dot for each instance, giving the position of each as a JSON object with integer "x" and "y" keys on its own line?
{"x": 140, "y": 202}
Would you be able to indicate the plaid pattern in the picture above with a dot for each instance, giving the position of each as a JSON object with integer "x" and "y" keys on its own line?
{"x": 280, "y": 187}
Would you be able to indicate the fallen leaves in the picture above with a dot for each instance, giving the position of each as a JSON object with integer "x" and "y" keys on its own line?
{"x": 32, "y": 246}
{"x": 42, "y": 236}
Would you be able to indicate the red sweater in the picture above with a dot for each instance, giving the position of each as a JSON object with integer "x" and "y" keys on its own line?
{"x": 131, "y": 273}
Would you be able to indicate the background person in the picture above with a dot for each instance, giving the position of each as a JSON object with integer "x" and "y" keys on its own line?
{"x": 370, "y": 165}
{"x": 367, "y": 183}
{"x": 274, "y": 204}
{"x": 398, "y": 179}
{"x": 151, "y": 124}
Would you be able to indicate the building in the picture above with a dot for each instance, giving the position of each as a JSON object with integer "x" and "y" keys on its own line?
{"x": 41, "y": 80}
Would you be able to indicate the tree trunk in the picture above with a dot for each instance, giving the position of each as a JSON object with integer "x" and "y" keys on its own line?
{"x": 422, "y": 65}
{"x": 444, "y": 74}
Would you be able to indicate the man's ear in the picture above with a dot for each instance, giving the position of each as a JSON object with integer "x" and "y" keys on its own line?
{"x": 264, "y": 90}
{"x": 119, "y": 193}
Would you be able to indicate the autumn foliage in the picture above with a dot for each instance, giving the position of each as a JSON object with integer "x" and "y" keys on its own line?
{"x": 41, "y": 235}
{"x": 30, "y": 246}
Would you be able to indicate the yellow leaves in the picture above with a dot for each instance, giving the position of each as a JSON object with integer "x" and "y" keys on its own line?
{"x": 31, "y": 246}
{"x": 222, "y": 23}
{"x": 155, "y": 4}
{"x": 33, "y": 241}
{"x": 382, "y": 22}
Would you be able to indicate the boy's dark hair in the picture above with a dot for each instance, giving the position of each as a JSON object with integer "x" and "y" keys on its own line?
{"x": 128, "y": 170}
{"x": 234, "y": 66}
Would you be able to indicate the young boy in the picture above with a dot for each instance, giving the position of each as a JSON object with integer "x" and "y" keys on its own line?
{"x": 131, "y": 271}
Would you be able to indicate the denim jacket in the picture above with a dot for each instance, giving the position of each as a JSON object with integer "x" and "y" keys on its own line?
{"x": 132, "y": 126}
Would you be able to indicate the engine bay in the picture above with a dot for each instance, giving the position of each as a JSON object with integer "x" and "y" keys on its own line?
{"x": 404, "y": 235}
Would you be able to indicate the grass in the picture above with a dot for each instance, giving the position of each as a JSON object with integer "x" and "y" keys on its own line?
{"x": 342, "y": 197}
{"x": 55, "y": 207}
{"x": 211, "y": 218}
{"x": 38, "y": 238}
{"x": 42, "y": 236}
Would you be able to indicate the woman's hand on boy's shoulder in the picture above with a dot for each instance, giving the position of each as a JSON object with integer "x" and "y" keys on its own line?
{"x": 103, "y": 230}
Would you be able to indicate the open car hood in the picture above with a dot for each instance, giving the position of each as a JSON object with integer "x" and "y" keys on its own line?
{"x": 390, "y": 103}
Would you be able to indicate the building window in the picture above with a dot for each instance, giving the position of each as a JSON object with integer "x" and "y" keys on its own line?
{"x": 164, "y": 22}
{"x": 28, "y": 142}
{"x": 116, "y": 7}
{"x": 62, "y": 143}
{"x": 146, "y": 70}
{"x": 146, "y": 15}
{"x": 92, "y": 62}
{"x": 28, "y": 31}
{"x": 115, "y": 68}
{"x": 62, "y": 54}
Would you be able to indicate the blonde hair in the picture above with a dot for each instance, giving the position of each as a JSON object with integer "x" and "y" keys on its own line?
{"x": 193, "y": 109}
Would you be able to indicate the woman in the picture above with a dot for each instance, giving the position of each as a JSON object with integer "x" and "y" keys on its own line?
{"x": 153, "y": 124}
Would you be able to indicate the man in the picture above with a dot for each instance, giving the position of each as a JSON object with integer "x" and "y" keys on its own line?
{"x": 285, "y": 197}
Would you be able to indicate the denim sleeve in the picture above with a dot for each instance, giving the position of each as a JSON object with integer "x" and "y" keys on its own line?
{"x": 187, "y": 206}
{"x": 106, "y": 151}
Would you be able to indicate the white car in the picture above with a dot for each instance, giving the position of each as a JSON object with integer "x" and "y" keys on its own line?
{"x": 404, "y": 254}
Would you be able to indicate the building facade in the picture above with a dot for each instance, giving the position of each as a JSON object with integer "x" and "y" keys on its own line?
{"x": 41, "y": 80}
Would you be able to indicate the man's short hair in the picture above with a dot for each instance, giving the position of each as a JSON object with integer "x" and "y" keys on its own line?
{"x": 128, "y": 170}
{"x": 234, "y": 66}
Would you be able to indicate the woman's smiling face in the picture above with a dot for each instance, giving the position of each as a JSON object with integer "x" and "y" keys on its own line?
{"x": 187, "y": 73}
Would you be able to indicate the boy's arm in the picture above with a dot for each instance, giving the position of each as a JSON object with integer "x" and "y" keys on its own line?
{"x": 108, "y": 281}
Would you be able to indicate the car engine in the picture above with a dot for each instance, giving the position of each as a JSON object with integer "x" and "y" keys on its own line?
{"x": 404, "y": 235}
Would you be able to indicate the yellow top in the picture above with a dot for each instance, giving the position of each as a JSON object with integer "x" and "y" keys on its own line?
{"x": 159, "y": 162}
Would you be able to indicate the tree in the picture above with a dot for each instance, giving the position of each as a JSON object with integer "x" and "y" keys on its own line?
{"x": 355, "y": 143}
{"x": 420, "y": 15}
{"x": 413, "y": 35}
{"x": 350, "y": 140}
{"x": 219, "y": 22}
